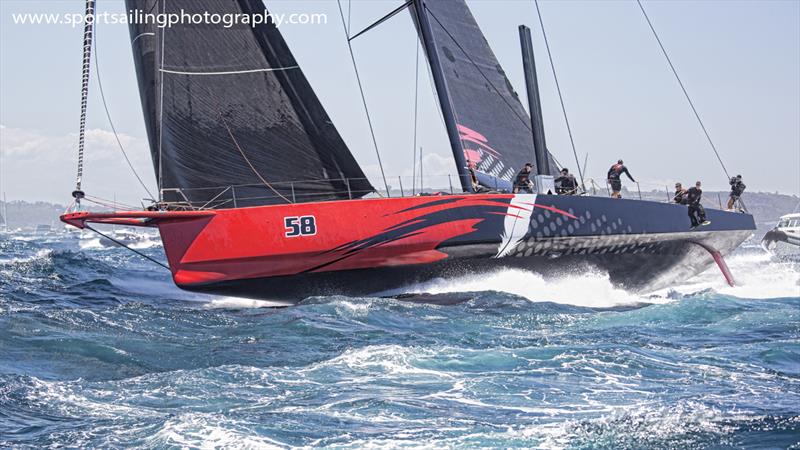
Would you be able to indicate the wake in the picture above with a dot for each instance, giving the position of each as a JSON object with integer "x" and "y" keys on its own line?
{"x": 757, "y": 276}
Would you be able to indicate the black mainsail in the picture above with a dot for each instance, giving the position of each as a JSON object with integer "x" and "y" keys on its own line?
{"x": 230, "y": 107}
{"x": 489, "y": 128}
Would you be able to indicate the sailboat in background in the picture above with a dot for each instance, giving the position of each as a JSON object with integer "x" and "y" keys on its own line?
{"x": 260, "y": 196}
{"x": 4, "y": 209}
{"x": 4, "y": 215}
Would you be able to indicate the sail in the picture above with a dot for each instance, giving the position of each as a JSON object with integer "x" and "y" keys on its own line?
{"x": 230, "y": 117}
{"x": 494, "y": 130}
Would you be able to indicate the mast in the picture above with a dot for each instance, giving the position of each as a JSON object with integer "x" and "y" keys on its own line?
{"x": 534, "y": 102}
{"x": 426, "y": 34}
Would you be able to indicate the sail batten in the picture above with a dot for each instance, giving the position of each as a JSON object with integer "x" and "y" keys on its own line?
{"x": 229, "y": 72}
{"x": 236, "y": 110}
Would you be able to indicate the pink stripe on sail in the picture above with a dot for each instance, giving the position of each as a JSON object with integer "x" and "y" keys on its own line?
{"x": 470, "y": 135}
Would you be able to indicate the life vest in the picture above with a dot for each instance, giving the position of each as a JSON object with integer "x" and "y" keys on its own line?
{"x": 615, "y": 171}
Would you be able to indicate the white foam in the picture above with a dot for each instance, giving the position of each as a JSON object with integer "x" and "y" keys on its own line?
{"x": 69, "y": 398}
{"x": 381, "y": 361}
{"x": 91, "y": 244}
{"x": 591, "y": 290}
{"x": 209, "y": 431}
{"x": 146, "y": 243}
{"x": 241, "y": 303}
{"x": 40, "y": 255}
{"x": 757, "y": 276}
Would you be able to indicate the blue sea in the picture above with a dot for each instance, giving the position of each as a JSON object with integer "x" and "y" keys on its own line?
{"x": 98, "y": 349}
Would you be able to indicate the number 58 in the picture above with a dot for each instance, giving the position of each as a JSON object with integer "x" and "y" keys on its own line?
{"x": 300, "y": 226}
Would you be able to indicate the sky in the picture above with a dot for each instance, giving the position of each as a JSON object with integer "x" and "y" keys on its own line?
{"x": 739, "y": 60}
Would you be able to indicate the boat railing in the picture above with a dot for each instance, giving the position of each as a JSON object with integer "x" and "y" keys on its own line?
{"x": 301, "y": 191}
{"x": 643, "y": 190}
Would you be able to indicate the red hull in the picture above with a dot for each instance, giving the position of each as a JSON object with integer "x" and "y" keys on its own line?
{"x": 220, "y": 245}
{"x": 294, "y": 243}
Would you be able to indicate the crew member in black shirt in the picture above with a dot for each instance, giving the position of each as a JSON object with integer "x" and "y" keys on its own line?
{"x": 614, "y": 174}
{"x": 737, "y": 189}
{"x": 566, "y": 183}
{"x": 697, "y": 214}
{"x": 523, "y": 180}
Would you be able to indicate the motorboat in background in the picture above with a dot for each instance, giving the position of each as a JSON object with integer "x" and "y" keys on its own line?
{"x": 784, "y": 239}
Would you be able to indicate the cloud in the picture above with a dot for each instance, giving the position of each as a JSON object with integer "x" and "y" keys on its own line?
{"x": 435, "y": 168}
{"x": 41, "y": 166}
{"x": 31, "y": 145}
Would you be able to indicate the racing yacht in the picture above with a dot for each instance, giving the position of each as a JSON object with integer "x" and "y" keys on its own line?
{"x": 260, "y": 197}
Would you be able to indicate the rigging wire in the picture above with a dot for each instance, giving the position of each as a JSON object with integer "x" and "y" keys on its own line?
{"x": 524, "y": 121}
{"x": 560, "y": 96}
{"x": 87, "y": 61}
{"x": 683, "y": 88}
{"x": 88, "y": 227}
{"x": 111, "y": 122}
{"x": 161, "y": 112}
{"x": 416, "y": 103}
{"x": 383, "y": 19}
{"x": 421, "y": 179}
{"x": 247, "y": 160}
{"x": 363, "y": 98}
{"x": 349, "y": 14}
{"x": 113, "y": 204}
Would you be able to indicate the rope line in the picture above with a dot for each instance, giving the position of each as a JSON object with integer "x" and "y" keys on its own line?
{"x": 349, "y": 14}
{"x": 140, "y": 35}
{"x": 363, "y": 98}
{"x": 383, "y": 19}
{"x": 88, "y": 227}
{"x": 683, "y": 88}
{"x": 521, "y": 119}
{"x": 247, "y": 160}
{"x": 560, "y": 96}
{"x": 87, "y": 54}
{"x": 111, "y": 123}
{"x": 113, "y": 204}
{"x": 161, "y": 111}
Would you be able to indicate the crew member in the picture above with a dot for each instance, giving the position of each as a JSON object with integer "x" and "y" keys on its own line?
{"x": 697, "y": 214}
{"x": 523, "y": 180}
{"x": 737, "y": 188}
{"x": 476, "y": 186}
{"x": 614, "y": 174}
{"x": 566, "y": 183}
{"x": 680, "y": 194}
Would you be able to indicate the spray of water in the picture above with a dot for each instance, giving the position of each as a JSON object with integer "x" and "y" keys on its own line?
{"x": 757, "y": 276}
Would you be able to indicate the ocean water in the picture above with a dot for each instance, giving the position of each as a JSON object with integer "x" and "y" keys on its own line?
{"x": 99, "y": 349}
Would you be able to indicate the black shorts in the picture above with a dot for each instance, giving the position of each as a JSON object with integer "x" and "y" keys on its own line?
{"x": 616, "y": 185}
